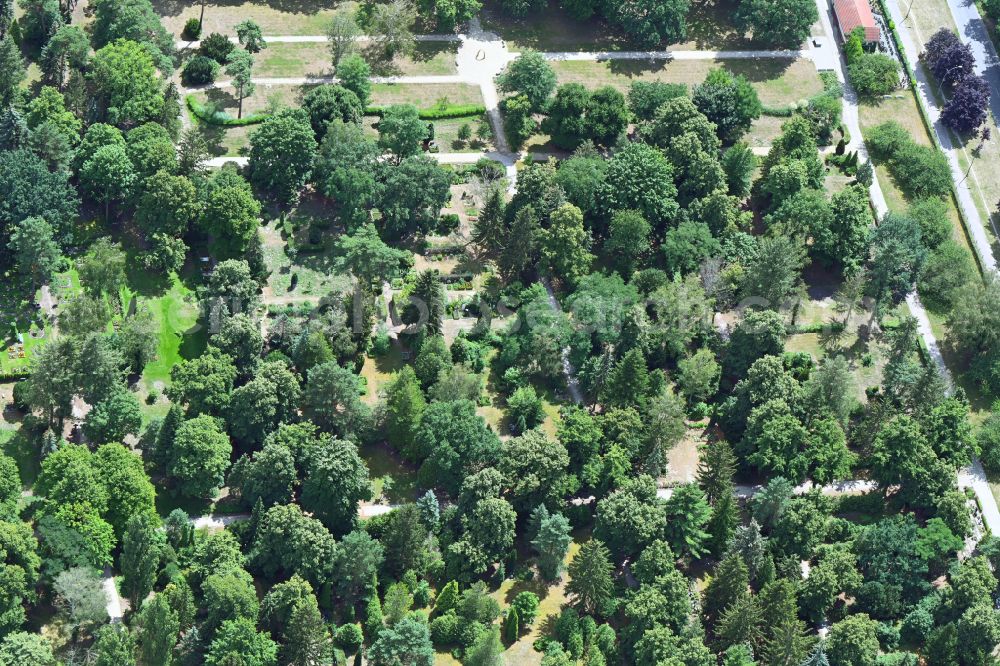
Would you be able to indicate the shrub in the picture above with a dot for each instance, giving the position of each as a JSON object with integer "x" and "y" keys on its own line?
{"x": 777, "y": 111}
{"x": 348, "y": 638}
{"x": 192, "y": 29}
{"x": 888, "y": 636}
{"x": 200, "y": 70}
{"x": 445, "y": 629}
{"x": 917, "y": 625}
{"x": 874, "y": 74}
{"x": 525, "y": 410}
{"x": 823, "y": 111}
{"x": 932, "y": 216}
{"x": 212, "y": 116}
{"x": 854, "y": 46}
{"x": 437, "y": 112}
{"x": 20, "y": 395}
{"x": 217, "y": 47}
{"x": 526, "y": 604}
{"x": 885, "y": 140}
{"x": 447, "y": 223}
{"x": 989, "y": 443}
{"x": 490, "y": 169}
{"x": 381, "y": 345}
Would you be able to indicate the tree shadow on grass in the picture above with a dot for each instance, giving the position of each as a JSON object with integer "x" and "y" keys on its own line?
{"x": 194, "y": 340}
{"x": 710, "y": 26}
{"x": 535, "y": 585}
{"x": 175, "y": 7}
{"x": 759, "y": 70}
{"x": 145, "y": 282}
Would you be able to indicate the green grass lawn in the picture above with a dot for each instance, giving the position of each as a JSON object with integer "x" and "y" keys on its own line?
{"x": 309, "y": 275}
{"x": 902, "y": 108}
{"x": 309, "y": 17}
{"x": 293, "y": 59}
{"x": 446, "y": 134}
{"x": 181, "y": 337}
{"x": 392, "y": 479}
{"x": 778, "y": 81}
{"x": 167, "y": 502}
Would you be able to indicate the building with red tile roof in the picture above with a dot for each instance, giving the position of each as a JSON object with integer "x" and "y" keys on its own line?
{"x": 853, "y": 14}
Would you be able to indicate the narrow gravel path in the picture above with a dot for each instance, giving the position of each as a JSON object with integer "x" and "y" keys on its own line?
{"x": 114, "y": 601}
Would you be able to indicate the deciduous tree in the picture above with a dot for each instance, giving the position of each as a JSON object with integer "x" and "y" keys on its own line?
{"x": 282, "y": 151}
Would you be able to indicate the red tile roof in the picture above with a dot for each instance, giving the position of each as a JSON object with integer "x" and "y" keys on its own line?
{"x": 852, "y": 14}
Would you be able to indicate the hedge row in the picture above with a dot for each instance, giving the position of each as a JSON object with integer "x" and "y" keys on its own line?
{"x": 777, "y": 111}
{"x": 816, "y": 327}
{"x": 14, "y": 375}
{"x": 444, "y": 250}
{"x": 437, "y": 112}
{"x": 204, "y": 114}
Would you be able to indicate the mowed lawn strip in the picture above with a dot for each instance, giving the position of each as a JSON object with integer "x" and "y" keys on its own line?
{"x": 290, "y": 59}
{"x": 902, "y": 108}
{"x": 778, "y": 81}
{"x": 176, "y": 313}
{"x": 309, "y": 17}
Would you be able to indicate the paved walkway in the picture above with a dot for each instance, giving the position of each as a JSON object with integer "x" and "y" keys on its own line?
{"x": 114, "y": 605}
{"x": 972, "y": 31}
{"x": 217, "y": 521}
{"x": 925, "y": 88}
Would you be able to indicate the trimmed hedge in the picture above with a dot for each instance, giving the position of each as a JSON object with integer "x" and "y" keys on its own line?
{"x": 777, "y": 111}
{"x": 444, "y": 250}
{"x": 816, "y": 327}
{"x": 436, "y": 112}
{"x": 204, "y": 114}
